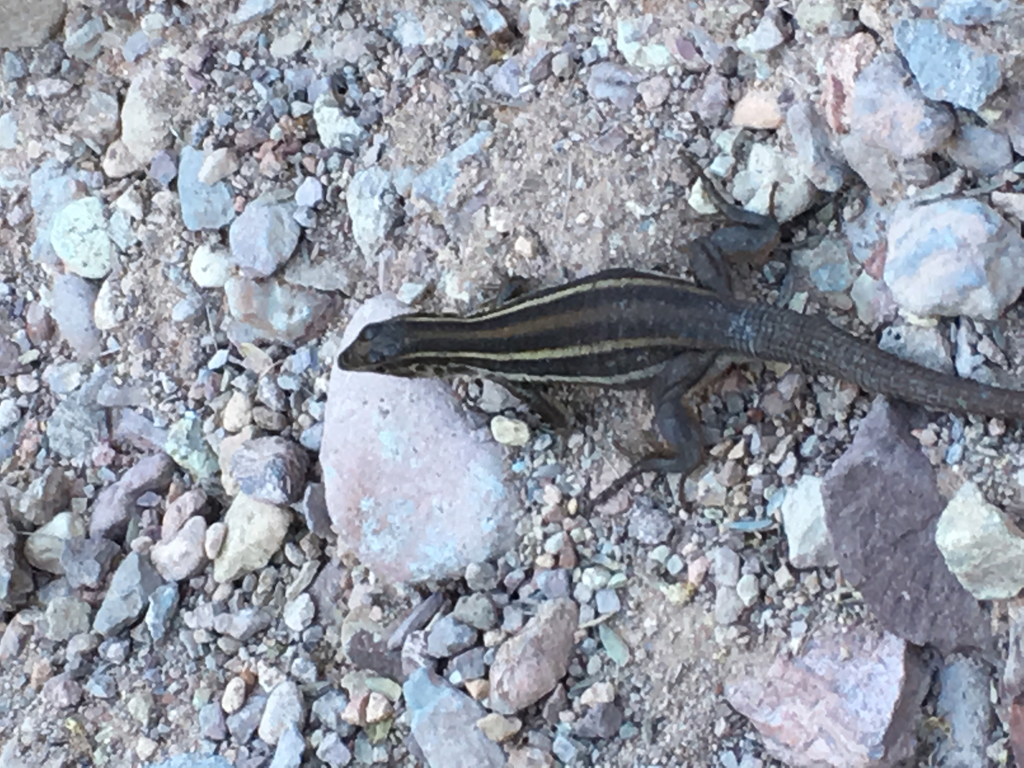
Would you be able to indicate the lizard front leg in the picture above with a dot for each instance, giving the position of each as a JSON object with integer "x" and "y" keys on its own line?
{"x": 750, "y": 238}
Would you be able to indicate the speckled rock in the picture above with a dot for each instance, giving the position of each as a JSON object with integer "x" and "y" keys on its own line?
{"x": 412, "y": 489}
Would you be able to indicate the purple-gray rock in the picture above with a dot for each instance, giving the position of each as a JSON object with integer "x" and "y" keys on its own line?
{"x": 243, "y": 723}
{"x": 601, "y": 721}
{"x": 116, "y": 502}
{"x": 211, "y": 722}
{"x": 285, "y": 709}
{"x": 449, "y": 636}
{"x": 613, "y": 83}
{"x": 290, "y": 749}
{"x": 163, "y": 604}
{"x": 73, "y": 300}
{"x": 314, "y": 510}
{"x": 882, "y": 506}
{"x": 134, "y": 581}
{"x": 86, "y": 562}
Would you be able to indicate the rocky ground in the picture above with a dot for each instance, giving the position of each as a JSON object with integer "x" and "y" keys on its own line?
{"x": 217, "y": 549}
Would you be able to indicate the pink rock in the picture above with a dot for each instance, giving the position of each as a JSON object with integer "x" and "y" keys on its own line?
{"x": 189, "y": 504}
{"x": 849, "y": 700}
{"x": 412, "y": 488}
{"x": 530, "y": 665}
{"x": 183, "y": 556}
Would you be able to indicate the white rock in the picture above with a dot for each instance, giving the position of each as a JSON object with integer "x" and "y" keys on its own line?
{"x": 44, "y": 545}
{"x": 981, "y": 545}
{"x": 210, "y": 266}
{"x": 803, "y": 520}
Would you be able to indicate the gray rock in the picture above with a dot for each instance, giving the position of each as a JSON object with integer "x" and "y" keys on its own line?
{"x": 182, "y": 557}
{"x": 813, "y": 145}
{"x": 211, "y": 722}
{"x": 290, "y": 749}
{"x": 477, "y": 611}
{"x": 333, "y": 752}
{"x": 263, "y": 237}
{"x": 285, "y": 709}
{"x": 314, "y": 510}
{"x": 981, "y": 149}
{"x": 243, "y": 723}
{"x": 150, "y": 105}
{"x": 966, "y": 708}
{"x": 925, "y": 240}
{"x": 803, "y": 520}
{"x": 191, "y": 760}
{"x": 443, "y": 722}
{"x": 203, "y": 206}
{"x": 66, "y": 617}
{"x": 244, "y": 624}
{"x": 328, "y": 708}
{"x": 613, "y": 83}
{"x": 79, "y": 236}
{"x": 468, "y": 665}
{"x": 73, "y": 300}
{"x": 371, "y": 206}
{"x": 946, "y": 67}
{"x": 163, "y": 604}
{"x": 449, "y": 636}
{"x": 310, "y": 192}
{"x": 134, "y": 581}
{"x": 86, "y": 562}
{"x": 13, "y": 68}
{"x": 436, "y": 183}
{"x": 336, "y": 128}
{"x": 828, "y": 264}
{"x": 101, "y": 684}
{"x": 28, "y": 25}
{"x": 601, "y": 721}
{"x": 649, "y": 525}
{"x": 982, "y": 545}
{"x": 45, "y": 496}
{"x": 274, "y": 310}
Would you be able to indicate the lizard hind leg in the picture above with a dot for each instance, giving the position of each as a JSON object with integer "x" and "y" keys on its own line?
{"x": 678, "y": 425}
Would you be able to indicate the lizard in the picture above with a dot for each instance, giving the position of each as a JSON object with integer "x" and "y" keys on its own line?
{"x": 627, "y": 328}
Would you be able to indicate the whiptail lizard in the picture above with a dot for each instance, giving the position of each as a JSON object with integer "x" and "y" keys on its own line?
{"x": 626, "y": 328}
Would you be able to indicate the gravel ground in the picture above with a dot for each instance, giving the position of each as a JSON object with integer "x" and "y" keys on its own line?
{"x": 218, "y": 549}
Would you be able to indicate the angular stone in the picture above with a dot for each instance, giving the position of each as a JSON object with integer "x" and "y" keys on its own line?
{"x": 882, "y": 506}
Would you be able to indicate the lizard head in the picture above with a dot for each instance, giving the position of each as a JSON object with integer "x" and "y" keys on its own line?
{"x": 377, "y": 348}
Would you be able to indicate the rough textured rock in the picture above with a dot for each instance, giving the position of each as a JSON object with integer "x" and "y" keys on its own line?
{"x": 530, "y": 665}
{"x": 882, "y": 506}
{"x": 849, "y": 699}
{"x": 255, "y": 532}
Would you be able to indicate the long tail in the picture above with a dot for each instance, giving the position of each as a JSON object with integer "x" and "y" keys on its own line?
{"x": 815, "y": 343}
